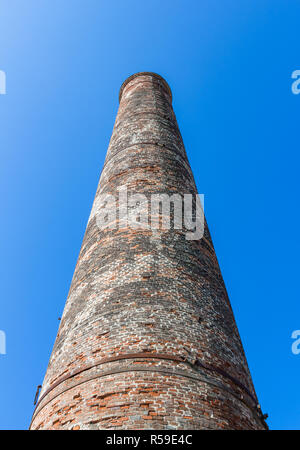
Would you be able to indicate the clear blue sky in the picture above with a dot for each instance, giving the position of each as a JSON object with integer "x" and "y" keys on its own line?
{"x": 229, "y": 64}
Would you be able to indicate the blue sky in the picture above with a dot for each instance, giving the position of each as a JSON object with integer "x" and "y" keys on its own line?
{"x": 229, "y": 64}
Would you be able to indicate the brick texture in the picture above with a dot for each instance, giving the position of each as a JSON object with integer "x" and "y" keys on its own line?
{"x": 148, "y": 338}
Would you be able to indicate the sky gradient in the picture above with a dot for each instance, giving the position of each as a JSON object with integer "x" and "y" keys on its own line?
{"x": 229, "y": 65}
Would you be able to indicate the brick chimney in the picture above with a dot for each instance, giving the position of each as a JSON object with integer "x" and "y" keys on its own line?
{"x": 147, "y": 339}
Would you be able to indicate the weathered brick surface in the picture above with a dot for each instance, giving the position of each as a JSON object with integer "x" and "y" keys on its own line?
{"x": 147, "y": 338}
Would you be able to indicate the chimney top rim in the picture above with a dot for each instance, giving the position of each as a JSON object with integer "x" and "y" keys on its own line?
{"x": 138, "y": 74}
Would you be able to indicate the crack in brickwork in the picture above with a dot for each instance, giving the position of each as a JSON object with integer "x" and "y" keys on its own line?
{"x": 136, "y": 291}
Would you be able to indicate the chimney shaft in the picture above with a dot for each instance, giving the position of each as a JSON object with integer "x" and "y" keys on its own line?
{"x": 147, "y": 339}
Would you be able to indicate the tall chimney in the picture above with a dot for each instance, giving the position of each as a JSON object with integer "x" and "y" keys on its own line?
{"x": 147, "y": 339}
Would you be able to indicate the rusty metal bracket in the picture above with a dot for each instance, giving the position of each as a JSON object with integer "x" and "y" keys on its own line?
{"x": 37, "y": 394}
